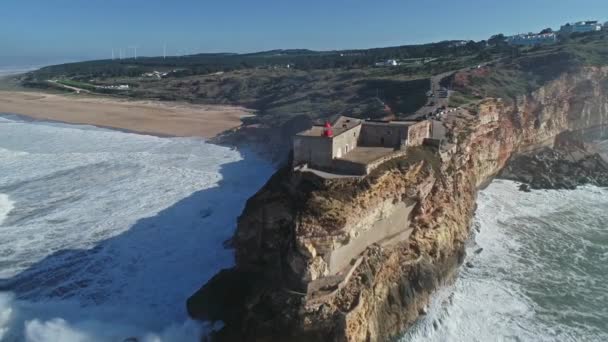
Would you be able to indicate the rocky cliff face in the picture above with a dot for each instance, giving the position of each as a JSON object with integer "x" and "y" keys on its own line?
{"x": 288, "y": 235}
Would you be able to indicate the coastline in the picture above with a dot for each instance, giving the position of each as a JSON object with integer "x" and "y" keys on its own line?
{"x": 144, "y": 117}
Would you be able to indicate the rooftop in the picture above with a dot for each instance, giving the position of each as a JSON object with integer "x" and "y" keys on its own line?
{"x": 341, "y": 125}
{"x": 390, "y": 123}
{"x": 366, "y": 155}
{"x": 345, "y": 123}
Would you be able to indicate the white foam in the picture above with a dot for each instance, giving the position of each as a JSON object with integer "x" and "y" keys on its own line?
{"x": 50, "y": 322}
{"x": 539, "y": 277}
{"x": 111, "y": 231}
{"x": 6, "y": 205}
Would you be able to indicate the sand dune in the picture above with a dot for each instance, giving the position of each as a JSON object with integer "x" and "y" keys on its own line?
{"x": 139, "y": 116}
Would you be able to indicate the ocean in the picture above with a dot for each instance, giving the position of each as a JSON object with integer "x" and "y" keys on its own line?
{"x": 105, "y": 234}
{"x": 537, "y": 270}
{"x": 18, "y": 65}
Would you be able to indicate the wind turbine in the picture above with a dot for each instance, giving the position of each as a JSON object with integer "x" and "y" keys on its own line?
{"x": 134, "y": 51}
{"x": 112, "y": 53}
{"x": 165, "y": 51}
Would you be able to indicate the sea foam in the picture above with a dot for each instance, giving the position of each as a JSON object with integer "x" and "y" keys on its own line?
{"x": 6, "y": 205}
{"x": 541, "y": 274}
{"x": 108, "y": 233}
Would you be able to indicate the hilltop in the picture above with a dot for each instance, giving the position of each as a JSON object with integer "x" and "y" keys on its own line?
{"x": 288, "y": 89}
{"x": 278, "y": 83}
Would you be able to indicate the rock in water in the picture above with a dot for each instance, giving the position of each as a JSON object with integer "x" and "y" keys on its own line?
{"x": 563, "y": 167}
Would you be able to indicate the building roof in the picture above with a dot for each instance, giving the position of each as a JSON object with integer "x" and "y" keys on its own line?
{"x": 390, "y": 123}
{"x": 341, "y": 125}
{"x": 344, "y": 123}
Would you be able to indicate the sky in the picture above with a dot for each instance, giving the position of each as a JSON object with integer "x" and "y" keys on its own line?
{"x": 90, "y": 29}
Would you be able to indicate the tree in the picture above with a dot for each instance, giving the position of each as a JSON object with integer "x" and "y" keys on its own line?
{"x": 547, "y": 30}
{"x": 497, "y": 39}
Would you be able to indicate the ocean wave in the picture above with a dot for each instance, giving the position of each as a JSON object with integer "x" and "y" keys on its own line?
{"x": 51, "y": 322}
{"x": 540, "y": 276}
{"x": 112, "y": 231}
{"x": 6, "y": 206}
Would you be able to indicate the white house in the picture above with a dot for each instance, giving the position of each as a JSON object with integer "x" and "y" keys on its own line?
{"x": 581, "y": 26}
{"x": 388, "y": 62}
{"x": 532, "y": 39}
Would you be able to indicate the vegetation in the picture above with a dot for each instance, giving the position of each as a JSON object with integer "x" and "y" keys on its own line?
{"x": 283, "y": 84}
{"x": 531, "y": 68}
{"x": 202, "y": 64}
{"x": 280, "y": 84}
{"x": 77, "y": 84}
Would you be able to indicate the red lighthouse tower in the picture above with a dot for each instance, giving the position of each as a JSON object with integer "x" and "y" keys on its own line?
{"x": 328, "y": 131}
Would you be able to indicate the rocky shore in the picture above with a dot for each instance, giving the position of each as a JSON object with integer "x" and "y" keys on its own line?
{"x": 557, "y": 169}
{"x": 283, "y": 287}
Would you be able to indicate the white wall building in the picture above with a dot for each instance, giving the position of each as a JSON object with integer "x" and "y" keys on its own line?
{"x": 532, "y": 39}
{"x": 388, "y": 63}
{"x": 581, "y": 26}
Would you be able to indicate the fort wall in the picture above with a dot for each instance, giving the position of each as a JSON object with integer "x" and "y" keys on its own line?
{"x": 383, "y": 135}
{"x": 387, "y": 225}
{"x": 418, "y": 132}
{"x": 345, "y": 142}
{"x": 312, "y": 150}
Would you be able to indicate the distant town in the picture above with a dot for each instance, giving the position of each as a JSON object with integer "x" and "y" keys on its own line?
{"x": 546, "y": 36}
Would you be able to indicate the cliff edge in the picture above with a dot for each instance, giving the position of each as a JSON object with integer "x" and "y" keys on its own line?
{"x": 356, "y": 259}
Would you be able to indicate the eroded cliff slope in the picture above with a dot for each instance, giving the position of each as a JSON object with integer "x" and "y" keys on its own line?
{"x": 406, "y": 224}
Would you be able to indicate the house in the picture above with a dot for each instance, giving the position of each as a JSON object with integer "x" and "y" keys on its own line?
{"x": 581, "y": 27}
{"x": 531, "y": 39}
{"x": 387, "y": 63}
{"x": 155, "y": 73}
{"x": 354, "y": 146}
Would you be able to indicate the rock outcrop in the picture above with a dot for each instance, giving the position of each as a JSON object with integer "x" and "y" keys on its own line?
{"x": 569, "y": 164}
{"x": 294, "y": 241}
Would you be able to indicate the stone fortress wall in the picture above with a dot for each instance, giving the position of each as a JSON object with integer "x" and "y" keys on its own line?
{"x": 334, "y": 153}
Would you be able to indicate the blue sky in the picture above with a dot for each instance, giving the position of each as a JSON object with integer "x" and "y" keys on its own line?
{"x": 77, "y": 29}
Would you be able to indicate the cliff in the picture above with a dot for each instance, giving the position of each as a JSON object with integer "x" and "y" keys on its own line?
{"x": 406, "y": 225}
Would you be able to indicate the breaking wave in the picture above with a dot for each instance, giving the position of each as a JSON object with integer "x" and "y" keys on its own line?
{"x": 105, "y": 234}
{"x": 6, "y": 205}
{"x": 537, "y": 271}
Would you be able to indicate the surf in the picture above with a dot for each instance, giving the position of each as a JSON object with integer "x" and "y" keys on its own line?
{"x": 107, "y": 233}
{"x": 6, "y": 205}
{"x": 534, "y": 271}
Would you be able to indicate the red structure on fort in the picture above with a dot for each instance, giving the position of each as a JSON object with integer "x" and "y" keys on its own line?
{"x": 328, "y": 132}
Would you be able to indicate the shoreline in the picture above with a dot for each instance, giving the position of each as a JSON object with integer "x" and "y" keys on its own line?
{"x": 133, "y": 116}
{"x": 27, "y": 118}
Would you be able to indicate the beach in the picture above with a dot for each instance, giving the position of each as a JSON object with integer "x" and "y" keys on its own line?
{"x": 148, "y": 117}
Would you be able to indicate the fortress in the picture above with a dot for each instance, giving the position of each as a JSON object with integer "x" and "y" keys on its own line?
{"x": 355, "y": 147}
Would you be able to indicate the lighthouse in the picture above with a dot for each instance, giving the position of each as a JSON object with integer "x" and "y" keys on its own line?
{"x": 328, "y": 131}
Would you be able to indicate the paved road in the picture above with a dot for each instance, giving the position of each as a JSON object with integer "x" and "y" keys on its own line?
{"x": 437, "y": 101}
{"x": 434, "y": 102}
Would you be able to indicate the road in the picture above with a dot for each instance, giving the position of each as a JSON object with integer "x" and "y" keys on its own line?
{"x": 76, "y": 90}
{"x": 436, "y": 100}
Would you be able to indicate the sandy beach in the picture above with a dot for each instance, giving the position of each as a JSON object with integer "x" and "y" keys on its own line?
{"x": 158, "y": 118}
